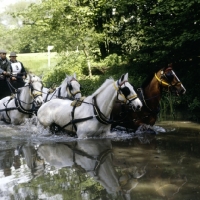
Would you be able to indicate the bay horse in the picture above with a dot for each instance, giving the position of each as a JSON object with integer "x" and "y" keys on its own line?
{"x": 69, "y": 88}
{"x": 92, "y": 117}
{"x": 150, "y": 95}
{"x": 14, "y": 109}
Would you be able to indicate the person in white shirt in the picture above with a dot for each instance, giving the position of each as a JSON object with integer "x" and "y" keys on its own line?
{"x": 17, "y": 68}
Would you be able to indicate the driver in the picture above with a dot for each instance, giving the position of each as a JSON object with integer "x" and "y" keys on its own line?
{"x": 4, "y": 64}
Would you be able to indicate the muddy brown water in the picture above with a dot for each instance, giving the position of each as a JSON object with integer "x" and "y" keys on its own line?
{"x": 157, "y": 167}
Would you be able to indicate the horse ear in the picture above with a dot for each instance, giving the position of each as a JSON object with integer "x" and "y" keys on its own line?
{"x": 67, "y": 76}
{"x": 75, "y": 75}
{"x": 126, "y": 77}
{"x": 122, "y": 78}
{"x": 170, "y": 65}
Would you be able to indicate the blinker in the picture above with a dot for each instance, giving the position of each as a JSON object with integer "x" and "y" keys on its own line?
{"x": 125, "y": 91}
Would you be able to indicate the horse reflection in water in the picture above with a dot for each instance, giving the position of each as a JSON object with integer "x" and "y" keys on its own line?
{"x": 94, "y": 158}
{"x": 69, "y": 89}
{"x": 150, "y": 95}
{"x": 116, "y": 168}
{"x": 33, "y": 161}
{"x": 92, "y": 117}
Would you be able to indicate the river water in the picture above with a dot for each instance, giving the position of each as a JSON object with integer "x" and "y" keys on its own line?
{"x": 149, "y": 166}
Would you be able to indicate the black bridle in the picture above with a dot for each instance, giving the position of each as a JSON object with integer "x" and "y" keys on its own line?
{"x": 58, "y": 90}
{"x": 18, "y": 102}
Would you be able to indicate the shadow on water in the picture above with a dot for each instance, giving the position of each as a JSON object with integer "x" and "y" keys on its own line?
{"x": 167, "y": 167}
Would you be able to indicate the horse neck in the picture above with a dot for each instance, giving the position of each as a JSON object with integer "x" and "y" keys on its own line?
{"x": 64, "y": 91}
{"x": 106, "y": 173}
{"x": 106, "y": 99}
{"x": 152, "y": 93}
{"x": 25, "y": 97}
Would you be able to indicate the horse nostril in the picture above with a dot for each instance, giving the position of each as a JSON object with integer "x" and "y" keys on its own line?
{"x": 182, "y": 91}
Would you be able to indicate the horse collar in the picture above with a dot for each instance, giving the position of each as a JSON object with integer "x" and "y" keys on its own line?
{"x": 99, "y": 115}
{"x": 20, "y": 107}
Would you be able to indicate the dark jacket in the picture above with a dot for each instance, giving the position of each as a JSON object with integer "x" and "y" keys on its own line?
{"x": 4, "y": 65}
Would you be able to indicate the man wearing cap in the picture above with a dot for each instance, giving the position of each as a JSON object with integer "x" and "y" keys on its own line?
{"x": 17, "y": 68}
{"x": 4, "y": 64}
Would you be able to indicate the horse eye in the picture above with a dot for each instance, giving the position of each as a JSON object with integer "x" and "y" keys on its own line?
{"x": 170, "y": 76}
{"x": 125, "y": 91}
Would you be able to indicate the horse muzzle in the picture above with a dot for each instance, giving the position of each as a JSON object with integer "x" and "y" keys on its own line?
{"x": 77, "y": 96}
{"x": 38, "y": 101}
{"x": 136, "y": 105}
{"x": 180, "y": 91}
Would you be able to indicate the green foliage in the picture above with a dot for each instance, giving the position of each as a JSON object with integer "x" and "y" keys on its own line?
{"x": 69, "y": 64}
{"x": 37, "y": 63}
{"x": 114, "y": 37}
{"x": 195, "y": 104}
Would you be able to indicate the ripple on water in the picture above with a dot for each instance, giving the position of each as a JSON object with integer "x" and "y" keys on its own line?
{"x": 29, "y": 130}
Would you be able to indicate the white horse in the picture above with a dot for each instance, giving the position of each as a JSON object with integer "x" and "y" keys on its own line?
{"x": 15, "y": 109}
{"x": 70, "y": 88}
{"x": 94, "y": 158}
{"x": 91, "y": 118}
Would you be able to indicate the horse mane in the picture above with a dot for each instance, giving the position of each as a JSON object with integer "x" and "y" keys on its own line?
{"x": 33, "y": 78}
{"x": 147, "y": 80}
{"x": 67, "y": 79}
{"x": 103, "y": 86}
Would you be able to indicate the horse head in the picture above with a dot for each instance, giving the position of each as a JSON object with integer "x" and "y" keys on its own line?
{"x": 35, "y": 85}
{"x": 127, "y": 94}
{"x": 169, "y": 80}
{"x": 72, "y": 87}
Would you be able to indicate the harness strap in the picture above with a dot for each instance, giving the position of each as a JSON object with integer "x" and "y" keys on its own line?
{"x": 72, "y": 113}
{"x": 52, "y": 94}
{"x": 20, "y": 107}
{"x": 141, "y": 95}
{"x": 100, "y": 159}
{"x": 46, "y": 97}
{"x": 162, "y": 82}
{"x": 99, "y": 115}
{"x": 77, "y": 121}
{"x": 59, "y": 91}
{"x": 7, "y": 111}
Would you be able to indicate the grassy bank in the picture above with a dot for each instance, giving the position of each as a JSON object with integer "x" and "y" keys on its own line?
{"x": 37, "y": 63}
